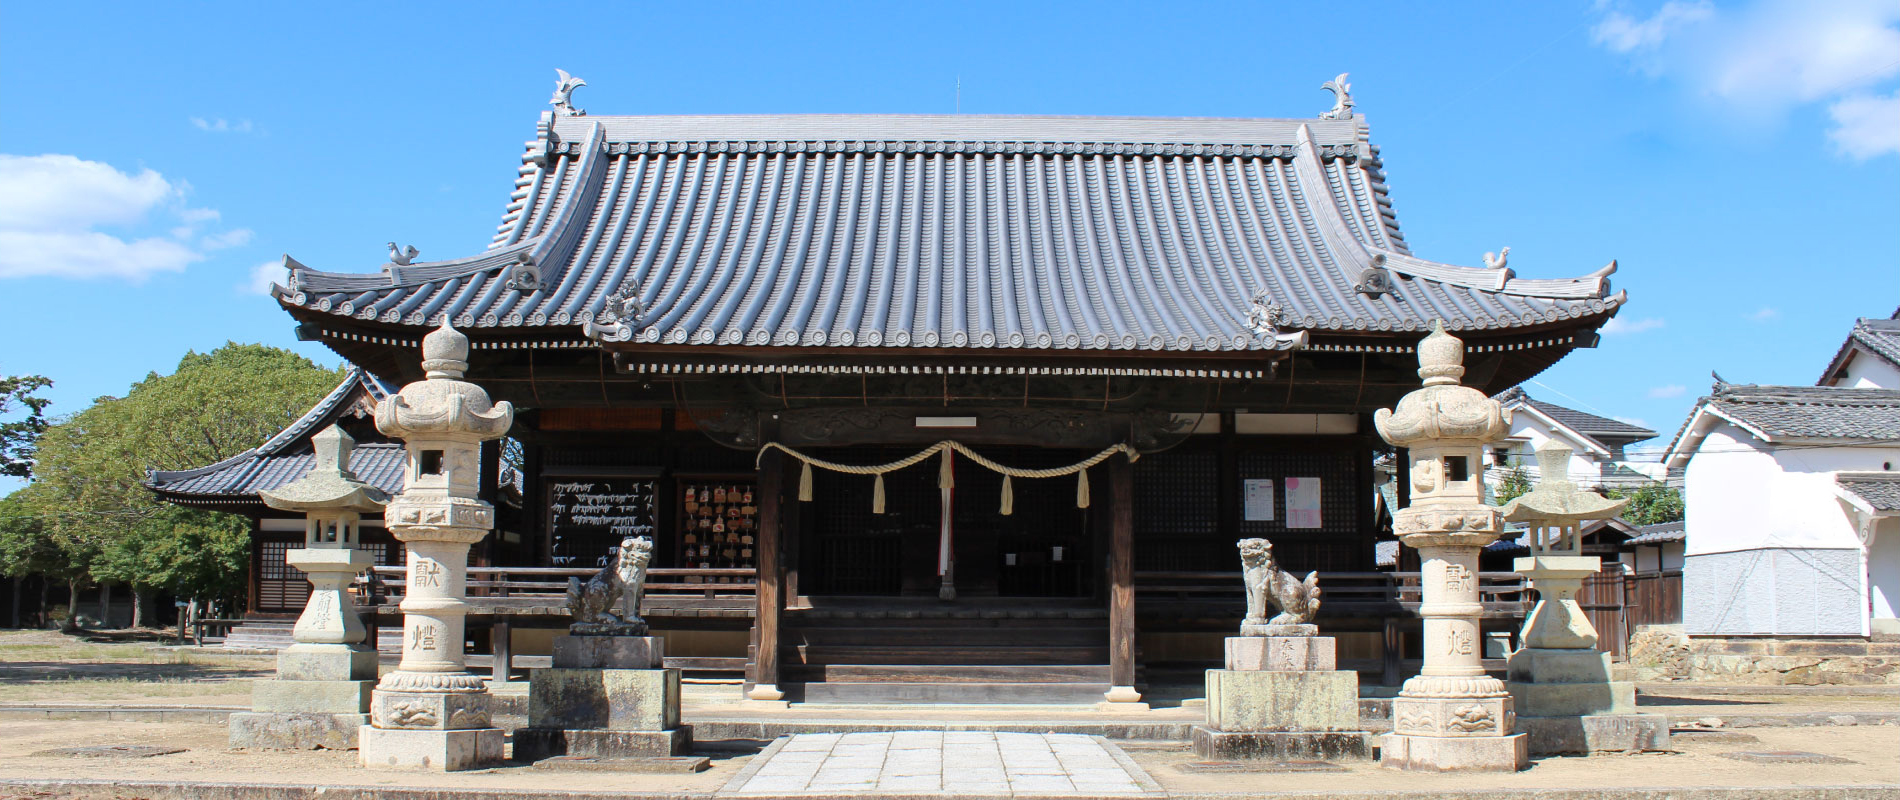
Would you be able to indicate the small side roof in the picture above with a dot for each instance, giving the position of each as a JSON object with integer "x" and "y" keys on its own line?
{"x": 287, "y": 456}
{"x": 1874, "y": 493}
{"x": 1785, "y": 414}
{"x": 1880, "y": 338}
{"x": 1602, "y": 433}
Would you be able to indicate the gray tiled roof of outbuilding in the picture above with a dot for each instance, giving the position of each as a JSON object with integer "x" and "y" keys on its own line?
{"x": 1076, "y": 233}
{"x": 1881, "y": 337}
{"x": 1879, "y": 490}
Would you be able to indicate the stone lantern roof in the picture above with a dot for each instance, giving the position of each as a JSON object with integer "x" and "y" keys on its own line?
{"x": 1442, "y": 409}
{"x": 330, "y": 485}
{"x": 1556, "y": 500}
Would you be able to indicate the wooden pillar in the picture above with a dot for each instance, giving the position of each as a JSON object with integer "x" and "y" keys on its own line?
{"x": 770, "y": 578}
{"x": 501, "y": 643}
{"x": 1121, "y": 578}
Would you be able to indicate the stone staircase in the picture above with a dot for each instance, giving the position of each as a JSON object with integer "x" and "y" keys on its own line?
{"x": 272, "y": 635}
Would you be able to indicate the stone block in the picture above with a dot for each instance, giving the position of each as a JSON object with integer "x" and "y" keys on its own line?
{"x": 1573, "y": 699}
{"x": 1457, "y": 717}
{"x": 326, "y": 663}
{"x": 289, "y": 731}
{"x": 1559, "y": 666}
{"x": 311, "y": 697}
{"x": 534, "y": 744}
{"x": 609, "y": 652}
{"x": 1461, "y": 754}
{"x": 1259, "y": 700}
{"x": 442, "y": 751}
{"x": 430, "y": 710}
{"x": 1596, "y": 733}
{"x": 1282, "y": 653}
{"x": 615, "y": 699}
{"x": 1278, "y": 630}
{"x": 1215, "y": 745}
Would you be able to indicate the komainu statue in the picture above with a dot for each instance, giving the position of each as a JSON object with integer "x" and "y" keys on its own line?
{"x": 1268, "y": 585}
{"x": 617, "y": 585}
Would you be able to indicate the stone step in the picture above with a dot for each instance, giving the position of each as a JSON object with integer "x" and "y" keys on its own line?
{"x": 908, "y": 692}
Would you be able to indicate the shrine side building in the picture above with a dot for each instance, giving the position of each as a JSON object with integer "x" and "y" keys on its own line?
{"x": 665, "y": 297}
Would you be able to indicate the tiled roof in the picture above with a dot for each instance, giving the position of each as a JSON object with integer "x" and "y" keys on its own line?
{"x": 286, "y": 456}
{"x": 1597, "y": 429}
{"x": 1881, "y": 337}
{"x": 961, "y": 231}
{"x": 1879, "y": 490}
{"x": 1659, "y": 533}
{"x": 1782, "y": 413}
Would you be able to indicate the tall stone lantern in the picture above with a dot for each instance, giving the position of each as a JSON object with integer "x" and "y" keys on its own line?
{"x": 322, "y": 690}
{"x": 1451, "y": 716}
{"x": 431, "y": 713}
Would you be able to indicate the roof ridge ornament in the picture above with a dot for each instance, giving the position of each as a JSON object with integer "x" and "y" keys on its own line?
{"x": 563, "y": 99}
{"x": 1342, "y": 98}
{"x": 617, "y": 318}
{"x": 402, "y": 257}
{"x": 1498, "y": 259}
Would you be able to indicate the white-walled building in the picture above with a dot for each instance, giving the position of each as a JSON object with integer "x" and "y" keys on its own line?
{"x": 1791, "y": 528}
{"x": 1596, "y": 443}
{"x": 1870, "y": 358}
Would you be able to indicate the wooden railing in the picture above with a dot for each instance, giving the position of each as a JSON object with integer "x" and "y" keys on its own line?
{"x": 1339, "y": 591}
{"x": 551, "y": 582}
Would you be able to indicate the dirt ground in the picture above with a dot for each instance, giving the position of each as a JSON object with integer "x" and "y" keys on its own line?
{"x": 121, "y": 668}
{"x": 1874, "y": 749}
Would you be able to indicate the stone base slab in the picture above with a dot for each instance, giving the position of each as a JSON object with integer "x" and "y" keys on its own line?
{"x": 284, "y": 731}
{"x": 1214, "y": 745}
{"x": 329, "y": 662}
{"x": 1260, "y": 700}
{"x": 311, "y": 697}
{"x": 609, "y": 652}
{"x": 615, "y": 699}
{"x": 1460, "y": 754}
{"x": 1573, "y": 699}
{"x": 442, "y": 751}
{"x": 534, "y": 744}
{"x": 1278, "y": 630}
{"x": 1558, "y": 666}
{"x": 1597, "y": 733}
{"x": 1282, "y": 653}
{"x": 1452, "y": 717}
{"x": 436, "y": 710}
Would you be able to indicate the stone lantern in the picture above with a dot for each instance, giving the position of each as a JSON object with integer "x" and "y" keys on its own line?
{"x": 1451, "y": 716}
{"x": 322, "y": 690}
{"x": 1560, "y": 681}
{"x": 431, "y": 713}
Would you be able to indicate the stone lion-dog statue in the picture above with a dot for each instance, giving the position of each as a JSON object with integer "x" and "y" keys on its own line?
{"x": 1268, "y": 585}
{"x": 594, "y": 603}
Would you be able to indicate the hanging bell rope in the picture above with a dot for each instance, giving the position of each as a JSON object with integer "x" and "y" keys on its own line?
{"x": 946, "y": 474}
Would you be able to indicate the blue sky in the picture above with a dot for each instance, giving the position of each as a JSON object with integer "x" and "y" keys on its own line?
{"x": 1741, "y": 160}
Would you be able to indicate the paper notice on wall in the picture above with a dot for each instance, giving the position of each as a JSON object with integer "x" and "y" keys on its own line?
{"x": 1257, "y": 497}
{"x": 1302, "y": 503}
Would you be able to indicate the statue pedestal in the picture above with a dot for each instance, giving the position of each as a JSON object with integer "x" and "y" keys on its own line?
{"x": 605, "y": 697}
{"x": 1280, "y": 698}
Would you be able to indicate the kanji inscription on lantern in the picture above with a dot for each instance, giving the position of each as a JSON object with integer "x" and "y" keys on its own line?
{"x": 1457, "y": 578}
{"x": 422, "y": 637}
{"x": 1459, "y": 643}
{"x": 428, "y": 573}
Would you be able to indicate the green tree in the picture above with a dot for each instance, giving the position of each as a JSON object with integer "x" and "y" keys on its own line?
{"x": 1513, "y": 484}
{"x": 18, "y": 436}
{"x": 1650, "y": 505}
{"x": 93, "y": 464}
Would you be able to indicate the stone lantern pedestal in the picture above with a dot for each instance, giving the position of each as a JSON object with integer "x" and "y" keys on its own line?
{"x": 1566, "y": 700}
{"x": 321, "y": 695}
{"x": 1451, "y": 716}
{"x": 1282, "y": 697}
{"x": 431, "y": 713}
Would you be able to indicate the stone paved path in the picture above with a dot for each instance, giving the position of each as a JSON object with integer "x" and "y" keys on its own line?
{"x": 945, "y": 762}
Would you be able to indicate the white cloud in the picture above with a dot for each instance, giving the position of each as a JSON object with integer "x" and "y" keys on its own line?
{"x": 1618, "y": 325}
{"x": 1668, "y": 391}
{"x": 1764, "y": 314}
{"x": 221, "y": 125}
{"x": 1769, "y": 56}
{"x": 1866, "y": 125}
{"x": 1623, "y": 33}
{"x": 52, "y": 207}
{"x": 236, "y": 237}
{"x": 263, "y": 275}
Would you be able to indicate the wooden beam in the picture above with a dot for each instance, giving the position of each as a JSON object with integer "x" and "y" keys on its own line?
{"x": 771, "y": 579}
{"x": 1121, "y": 576}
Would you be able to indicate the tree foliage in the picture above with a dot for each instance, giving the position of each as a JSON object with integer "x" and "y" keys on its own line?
{"x": 19, "y": 393}
{"x": 1513, "y": 484}
{"x": 89, "y": 497}
{"x": 1651, "y": 505}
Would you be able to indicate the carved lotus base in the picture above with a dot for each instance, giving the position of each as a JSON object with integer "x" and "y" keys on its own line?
{"x": 1453, "y": 686}
{"x": 431, "y": 682}
{"x": 1456, "y": 717}
{"x": 428, "y": 710}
